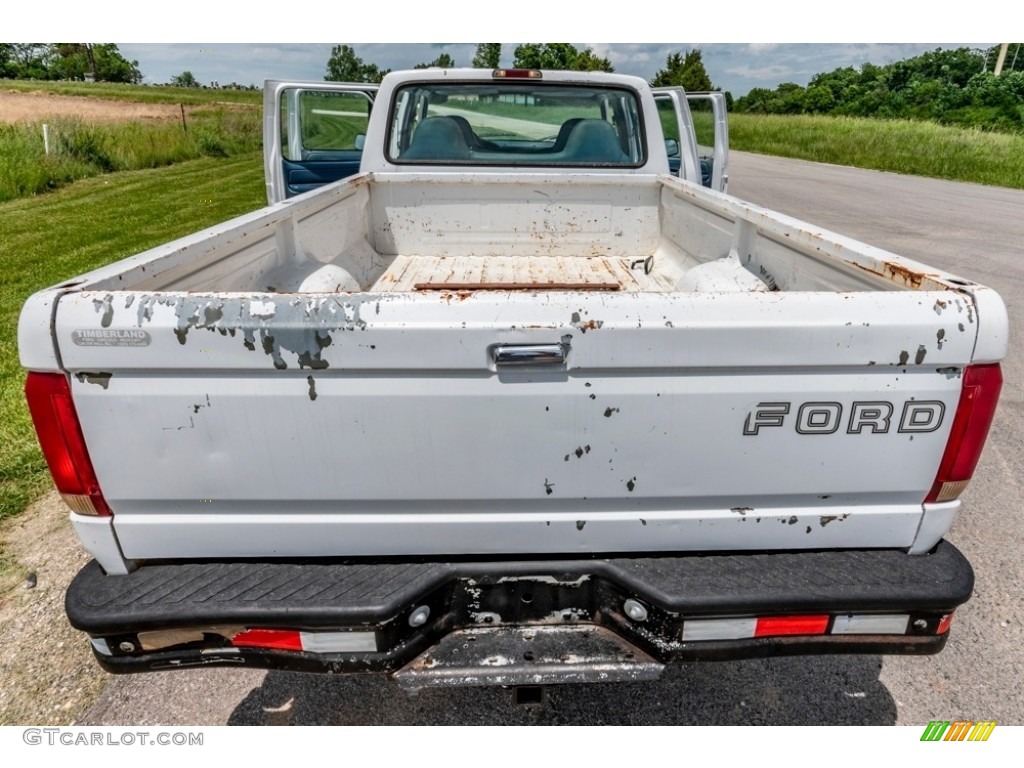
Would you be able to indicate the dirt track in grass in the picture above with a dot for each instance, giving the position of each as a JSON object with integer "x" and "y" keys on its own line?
{"x": 18, "y": 107}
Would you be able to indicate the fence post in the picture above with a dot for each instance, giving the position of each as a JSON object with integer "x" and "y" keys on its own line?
{"x": 46, "y": 138}
{"x": 183, "y": 126}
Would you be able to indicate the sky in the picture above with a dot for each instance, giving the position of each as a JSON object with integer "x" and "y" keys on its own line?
{"x": 746, "y": 43}
{"x": 732, "y": 67}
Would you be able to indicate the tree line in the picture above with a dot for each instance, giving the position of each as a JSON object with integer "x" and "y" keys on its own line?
{"x": 953, "y": 86}
{"x": 344, "y": 65}
{"x": 685, "y": 69}
{"x": 101, "y": 62}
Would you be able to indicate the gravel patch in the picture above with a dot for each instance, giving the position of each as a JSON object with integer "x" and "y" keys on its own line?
{"x": 47, "y": 672}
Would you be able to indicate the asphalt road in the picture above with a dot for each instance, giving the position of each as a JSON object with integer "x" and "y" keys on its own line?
{"x": 975, "y": 231}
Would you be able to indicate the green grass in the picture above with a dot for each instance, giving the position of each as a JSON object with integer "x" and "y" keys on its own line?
{"x": 79, "y": 149}
{"x": 54, "y": 237}
{"x": 323, "y": 128}
{"x": 150, "y": 94}
{"x": 900, "y": 146}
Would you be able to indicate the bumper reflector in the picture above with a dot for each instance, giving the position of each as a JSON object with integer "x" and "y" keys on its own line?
{"x": 310, "y": 642}
{"x": 871, "y": 625}
{"x": 747, "y": 627}
{"x": 944, "y": 624}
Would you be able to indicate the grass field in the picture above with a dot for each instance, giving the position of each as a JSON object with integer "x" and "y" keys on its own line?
{"x": 148, "y": 94}
{"x": 88, "y": 224}
{"x": 900, "y": 146}
{"x": 80, "y": 149}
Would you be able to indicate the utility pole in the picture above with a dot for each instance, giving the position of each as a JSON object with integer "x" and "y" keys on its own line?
{"x": 1001, "y": 60}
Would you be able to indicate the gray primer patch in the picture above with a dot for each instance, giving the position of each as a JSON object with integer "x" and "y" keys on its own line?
{"x": 312, "y": 387}
{"x": 301, "y": 326}
{"x": 105, "y": 306}
{"x": 919, "y": 357}
{"x": 102, "y": 379}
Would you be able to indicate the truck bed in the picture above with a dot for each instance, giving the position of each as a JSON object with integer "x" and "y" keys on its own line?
{"x": 503, "y": 273}
{"x": 355, "y": 337}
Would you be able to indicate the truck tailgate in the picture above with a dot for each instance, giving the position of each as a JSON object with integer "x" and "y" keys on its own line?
{"x": 362, "y": 424}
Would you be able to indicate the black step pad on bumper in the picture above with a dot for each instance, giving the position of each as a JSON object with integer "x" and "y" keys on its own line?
{"x": 319, "y": 594}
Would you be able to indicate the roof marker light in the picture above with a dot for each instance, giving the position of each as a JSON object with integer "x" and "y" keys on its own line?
{"x": 518, "y": 74}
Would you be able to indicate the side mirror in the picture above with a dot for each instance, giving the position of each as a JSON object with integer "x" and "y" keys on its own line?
{"x": 672, "y": 147}
{"x": 360, "y": 141}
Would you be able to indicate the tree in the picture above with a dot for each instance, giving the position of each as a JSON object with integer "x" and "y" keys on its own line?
{"x": 444, "y": 61}
{"x": 8, "y": 66}
{"x": 28, "y": 61}
{"x": 345, "y": 67}
{"x": 72, "y": 61}
{"x": 110, "y": 66}
{"x": 185, "y": 80}
{"x": 588, "y": 61}
{"x": 686, "y": 70}
{"x": 564, "y": 56}
{"x": 487, "y": 56}
{"x": 102, "y": 62}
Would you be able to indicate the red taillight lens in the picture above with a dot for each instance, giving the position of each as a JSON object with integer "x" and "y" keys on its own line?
{"x": 974, "y": 413}
{"x": 60, "y": 436}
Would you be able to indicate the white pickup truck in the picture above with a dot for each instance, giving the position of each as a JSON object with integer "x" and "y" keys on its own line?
{"x": 513, "y": 405}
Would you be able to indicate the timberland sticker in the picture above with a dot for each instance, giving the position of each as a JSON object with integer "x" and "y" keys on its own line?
{"x": 110, "y": 337}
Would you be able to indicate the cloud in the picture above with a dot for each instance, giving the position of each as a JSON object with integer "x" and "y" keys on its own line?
{"x": 769, "y": 72}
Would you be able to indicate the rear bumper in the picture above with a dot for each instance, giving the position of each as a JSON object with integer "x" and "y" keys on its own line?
{"x": 521, "y": 621}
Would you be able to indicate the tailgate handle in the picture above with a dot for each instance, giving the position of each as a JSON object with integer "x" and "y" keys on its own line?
{"x": 529, "y": 354}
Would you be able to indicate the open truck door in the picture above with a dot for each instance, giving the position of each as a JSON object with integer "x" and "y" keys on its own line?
{"x": 313, "y": 134}
{"x": 712, "y": 138}
{"x": 696, "y": 134}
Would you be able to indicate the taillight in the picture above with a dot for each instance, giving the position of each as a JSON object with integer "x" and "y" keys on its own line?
{"x": 60, "y": 436}
{"x": 970, "y": 428}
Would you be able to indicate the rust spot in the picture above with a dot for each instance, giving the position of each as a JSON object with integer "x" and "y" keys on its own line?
{"x": 631, "y": 484}
{"x": 312, "y": 387}
{"x": 741, "y": 510}
{"x": 580, "y": 524}
{"x": 548, "y": 487}
{"x": 904, "y": 357}
{"x": 609, "y": 411}
{"x": 919, "y": 357}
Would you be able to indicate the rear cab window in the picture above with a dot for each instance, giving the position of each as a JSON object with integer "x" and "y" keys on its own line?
{"x": 516, "y": 124}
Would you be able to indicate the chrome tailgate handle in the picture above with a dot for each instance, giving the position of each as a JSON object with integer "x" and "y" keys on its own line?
{"x": 529, "y": 354}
